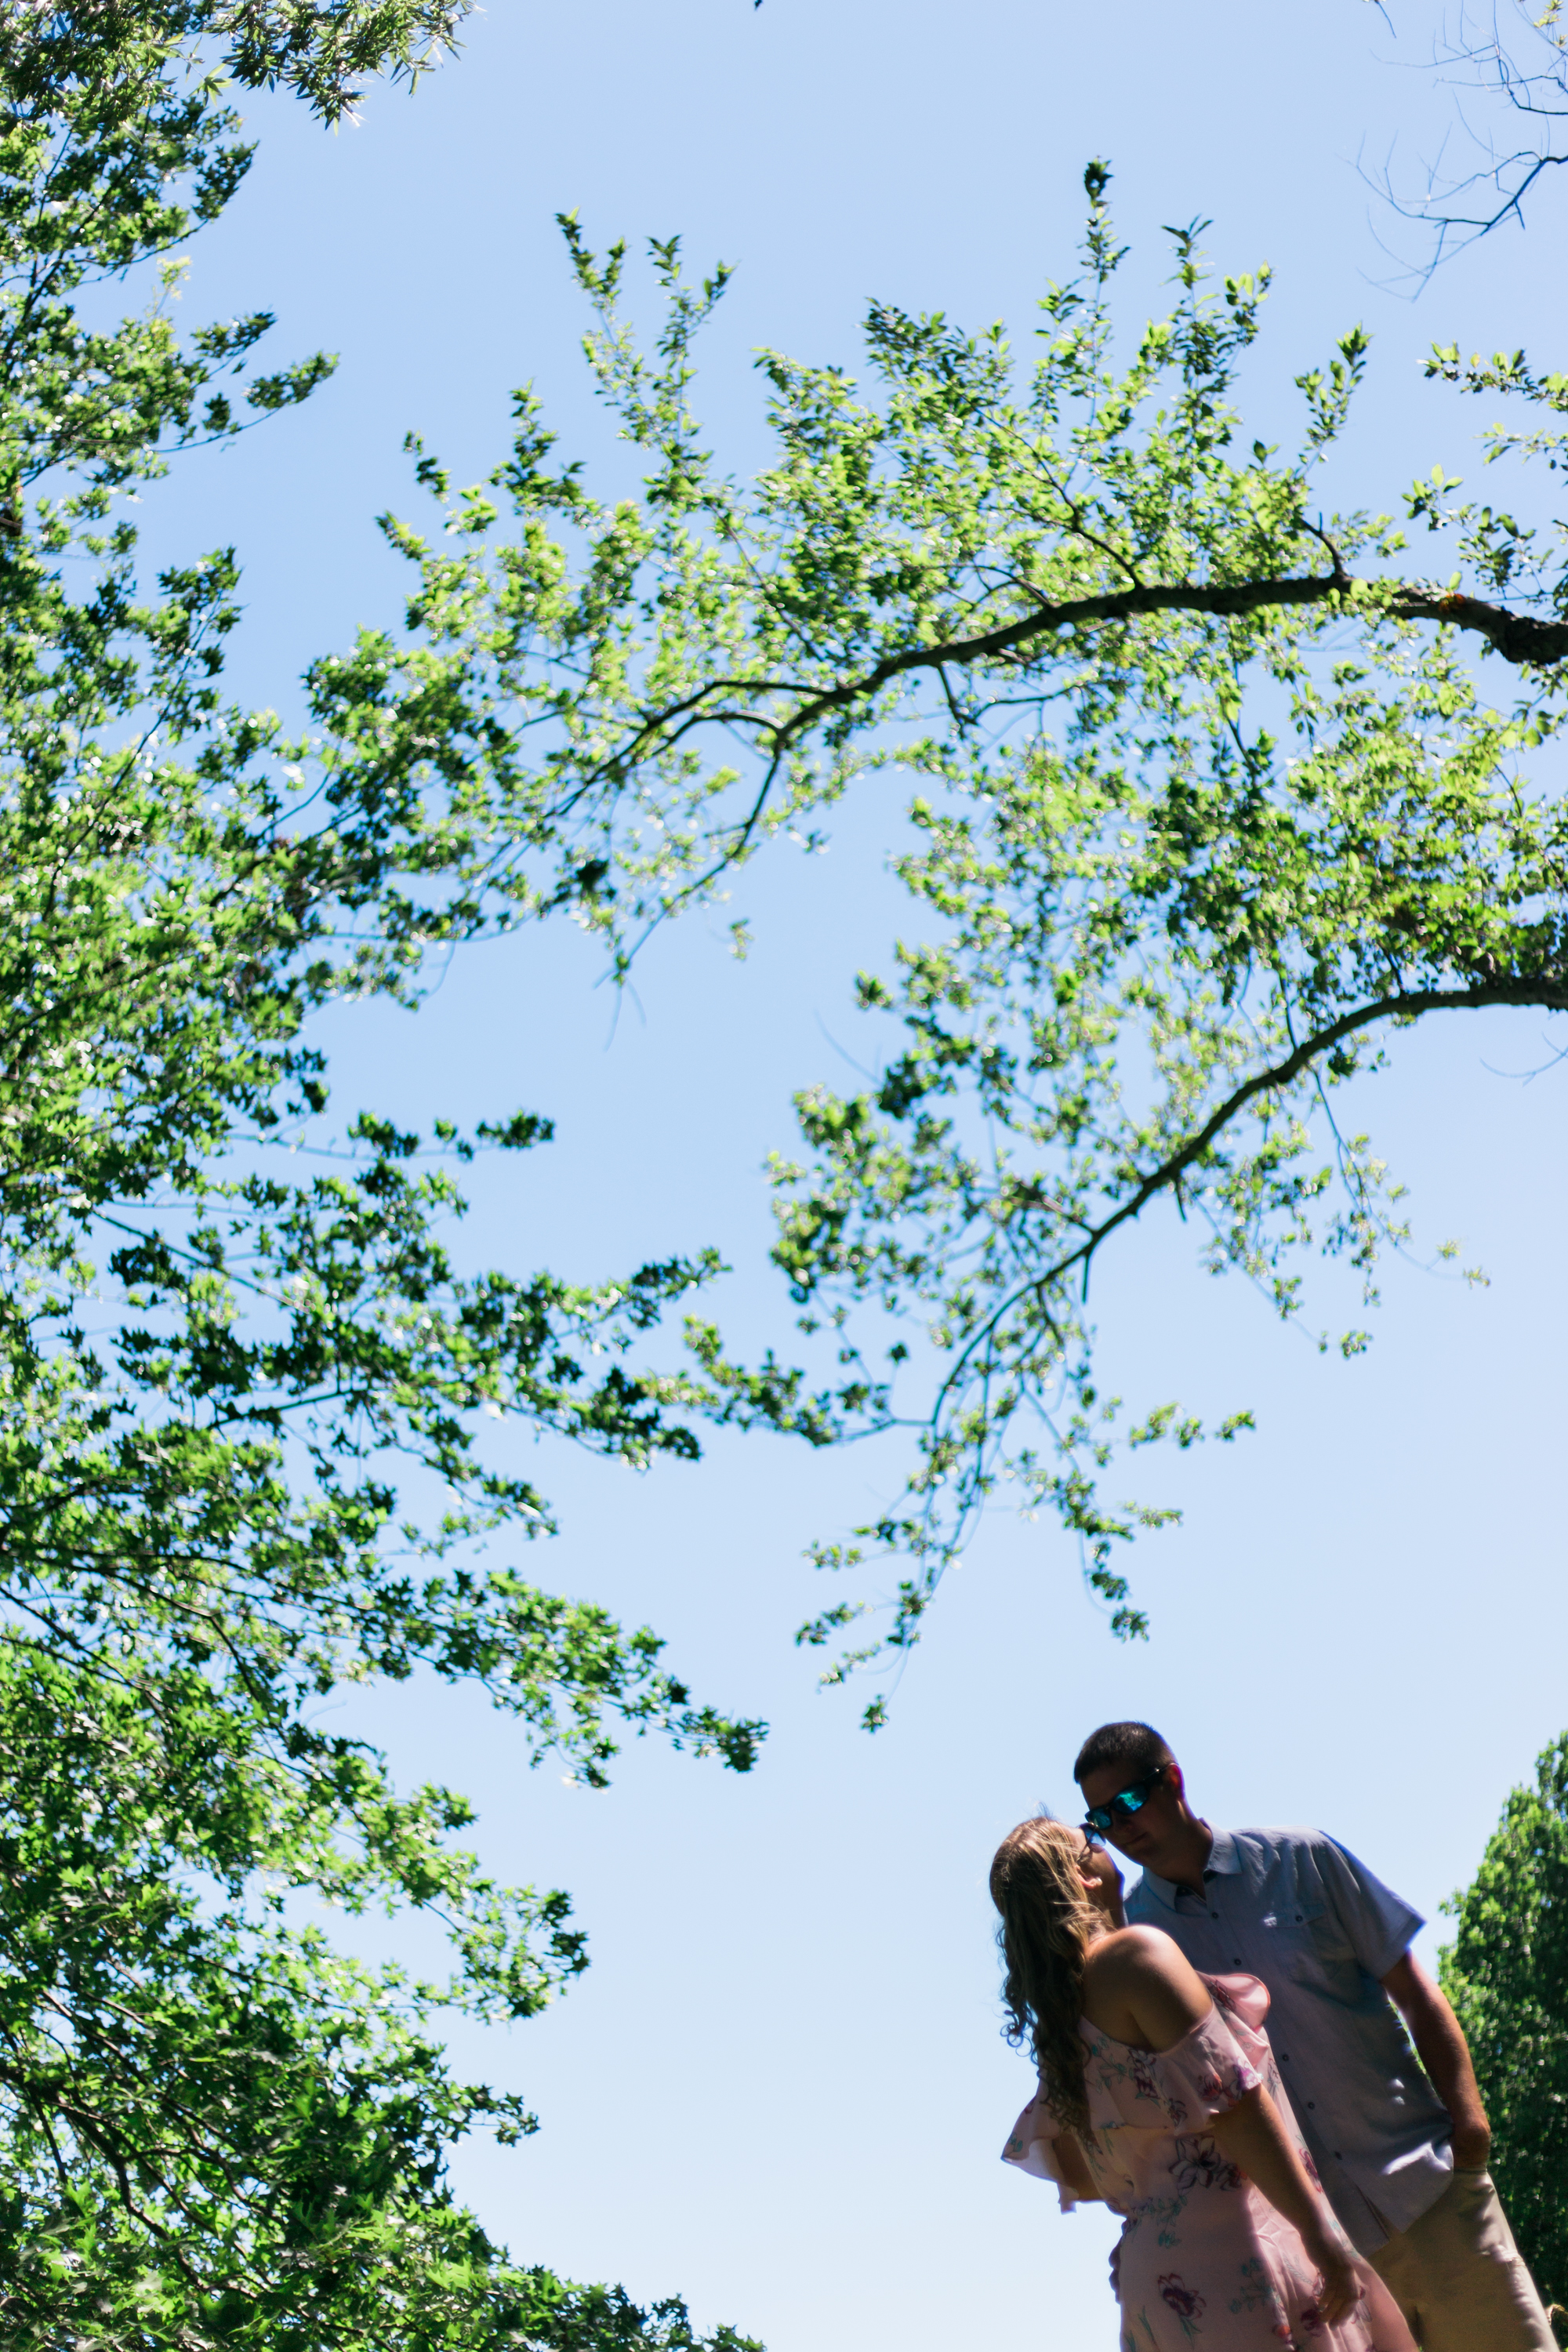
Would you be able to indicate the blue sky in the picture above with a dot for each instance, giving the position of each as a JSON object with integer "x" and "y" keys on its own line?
{"x": 780, "y": 2089}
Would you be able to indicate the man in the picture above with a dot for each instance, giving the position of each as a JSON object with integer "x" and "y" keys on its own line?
{"x": 1403, "y": 2154}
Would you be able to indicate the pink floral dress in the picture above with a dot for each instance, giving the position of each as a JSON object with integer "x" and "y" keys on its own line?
{"x": 1205, "y": 2260}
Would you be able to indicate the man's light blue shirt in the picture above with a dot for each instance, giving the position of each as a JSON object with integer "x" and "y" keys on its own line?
{"x": 1292, "y": 1907}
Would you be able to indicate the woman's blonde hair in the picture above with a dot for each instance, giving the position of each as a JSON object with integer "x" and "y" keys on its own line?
{"x": 1047, "y": 1924}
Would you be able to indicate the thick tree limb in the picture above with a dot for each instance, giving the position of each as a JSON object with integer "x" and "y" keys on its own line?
{"x": 1519, "y": 637}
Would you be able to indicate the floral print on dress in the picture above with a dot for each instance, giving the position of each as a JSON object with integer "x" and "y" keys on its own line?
{"x": 1184, "y": 2301}
{"x": 1205, "y": 2263}
{"x": 1200, "y": 2164}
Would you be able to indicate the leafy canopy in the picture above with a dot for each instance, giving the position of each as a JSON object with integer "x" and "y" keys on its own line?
{"x": 239, "y": 1460}
{"x": 1209, "y": 802}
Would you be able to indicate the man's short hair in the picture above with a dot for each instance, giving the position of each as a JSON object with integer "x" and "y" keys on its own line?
{"x": 1133, "y": 1748}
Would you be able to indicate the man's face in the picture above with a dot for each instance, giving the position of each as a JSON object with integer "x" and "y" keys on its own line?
{"x": 1153, "y": 1835}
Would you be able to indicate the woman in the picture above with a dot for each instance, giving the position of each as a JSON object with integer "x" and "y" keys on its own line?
{"x": 1159, "y": 2094}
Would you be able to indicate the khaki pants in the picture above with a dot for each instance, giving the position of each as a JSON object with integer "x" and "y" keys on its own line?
{"x": 1457, "y": 2276}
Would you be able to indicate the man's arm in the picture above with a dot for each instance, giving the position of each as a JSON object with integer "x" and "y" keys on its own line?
{"x": 1442, "y": 2049}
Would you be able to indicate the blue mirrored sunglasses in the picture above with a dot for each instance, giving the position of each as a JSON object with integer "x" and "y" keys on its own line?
{"x": 1123, "y": 1805}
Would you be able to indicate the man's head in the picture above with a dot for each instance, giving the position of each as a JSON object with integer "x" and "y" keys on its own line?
{"x": 1152, "y": 1823}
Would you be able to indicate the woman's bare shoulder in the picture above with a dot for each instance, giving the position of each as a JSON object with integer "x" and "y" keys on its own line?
{"x": 1142, "y": 1975}
{"x": 1128, "y": 1955}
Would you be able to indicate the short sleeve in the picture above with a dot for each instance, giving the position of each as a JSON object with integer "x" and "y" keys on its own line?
{"x": 1202, "y": 2075}
{"x": 1379, "y": 1926}
{"x": 1032, "y": 2147}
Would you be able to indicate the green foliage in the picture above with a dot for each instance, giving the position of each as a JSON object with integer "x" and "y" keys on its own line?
{"x": 240, "y": 1406}
{"x": 1208, "y": 801}
{"x": 1202, "y": 814}
{"x": 1506, "y": 1973}
{"x": 114, "y": 148}
{"x": 325, "y": 50}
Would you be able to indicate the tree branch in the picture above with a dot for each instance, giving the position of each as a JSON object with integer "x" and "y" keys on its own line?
{"x": 1519, "y": 637}
{"x": 1549, "y": 990}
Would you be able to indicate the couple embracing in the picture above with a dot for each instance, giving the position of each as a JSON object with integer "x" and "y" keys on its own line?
{"x": 1313, "y": 2182}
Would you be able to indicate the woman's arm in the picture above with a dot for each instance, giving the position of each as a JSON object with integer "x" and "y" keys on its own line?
{"x": 1164, "y": 1998}
{"x": 1253, "y": 2136}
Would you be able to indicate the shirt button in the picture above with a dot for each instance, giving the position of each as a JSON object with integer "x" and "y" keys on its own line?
{"x": 1284, "y": 2057}
{"x": 1311, "y": 2102}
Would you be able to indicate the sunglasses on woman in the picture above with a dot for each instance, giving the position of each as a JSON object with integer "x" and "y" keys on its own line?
{"x": 1123, "y": 1805}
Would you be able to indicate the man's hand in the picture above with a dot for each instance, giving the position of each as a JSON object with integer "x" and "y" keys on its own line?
{"x": 1440, "y": 2044}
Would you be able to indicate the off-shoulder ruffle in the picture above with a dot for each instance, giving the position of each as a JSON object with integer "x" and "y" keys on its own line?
{"x": 1180, "y": 2089}
{"x": 1147, "y": 2150}
{"x": 1186, "y": 2087}
{"x": 1031, "y": 2146}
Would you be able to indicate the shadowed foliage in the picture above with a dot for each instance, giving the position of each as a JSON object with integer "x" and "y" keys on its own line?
{"x": 1506, "y": 1973}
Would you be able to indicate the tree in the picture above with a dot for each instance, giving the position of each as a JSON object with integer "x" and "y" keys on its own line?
{"x": 1506, "y": 1973}
{"x": 1209, "y": 805}
{"x": 240, "y": 1411}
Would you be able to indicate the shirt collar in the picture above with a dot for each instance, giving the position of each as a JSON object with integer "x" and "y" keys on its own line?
{"x": 1223, "y": 1861}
